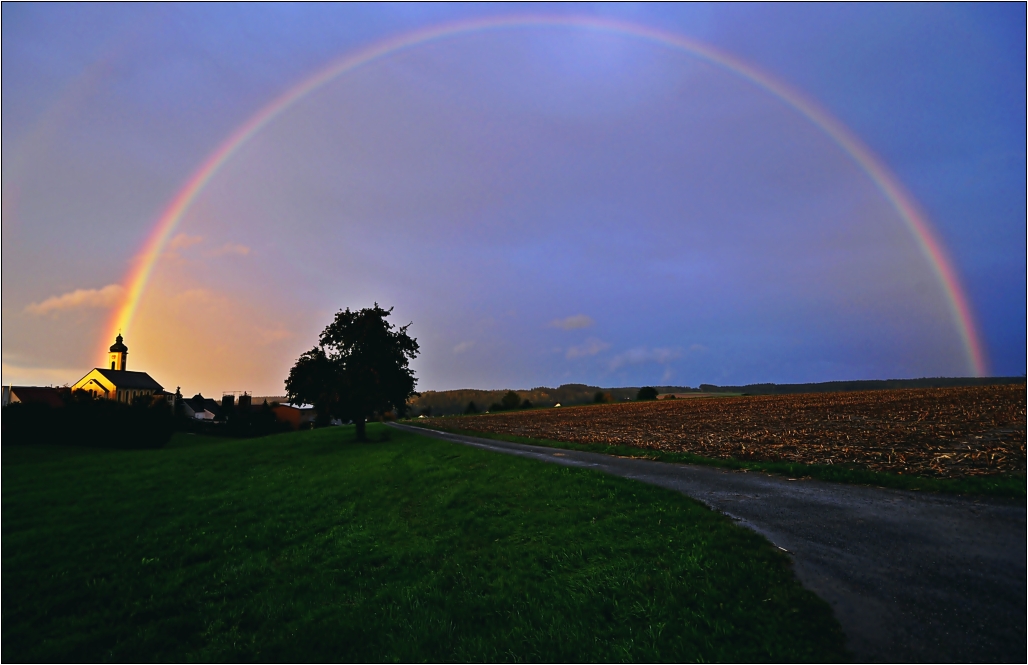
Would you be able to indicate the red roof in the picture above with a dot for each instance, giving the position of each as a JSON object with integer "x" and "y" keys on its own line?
{"x": 39, "y": 395}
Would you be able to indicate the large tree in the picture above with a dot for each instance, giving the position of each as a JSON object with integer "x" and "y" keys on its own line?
{"x": 361, "y": 366}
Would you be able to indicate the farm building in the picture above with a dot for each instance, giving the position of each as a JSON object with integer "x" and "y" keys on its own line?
{"x": 201, "y": 408}
{"x": 35, "y": 395}
{"x": 298, "y": 416}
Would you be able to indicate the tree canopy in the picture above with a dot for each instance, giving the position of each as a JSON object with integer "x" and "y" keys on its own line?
{"x": 646, "y": 393}
{"x": 361, "y": 366}
{"x": 510, "y": 401}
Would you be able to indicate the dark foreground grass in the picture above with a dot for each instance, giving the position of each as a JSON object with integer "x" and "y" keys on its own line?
{"x": 310, "y": 547}
{"x": 1005, "y": 486}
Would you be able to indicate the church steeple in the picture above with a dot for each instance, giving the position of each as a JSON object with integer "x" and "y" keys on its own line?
{"x": 119, "y": 354}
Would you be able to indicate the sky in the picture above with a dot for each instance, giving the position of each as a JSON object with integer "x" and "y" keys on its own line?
{"x": 618, "y": 195}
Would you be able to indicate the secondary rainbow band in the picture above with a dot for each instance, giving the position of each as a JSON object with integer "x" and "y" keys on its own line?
{"x": 931, "y": 247}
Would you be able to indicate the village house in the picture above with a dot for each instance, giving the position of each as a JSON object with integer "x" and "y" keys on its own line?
{"x": 298, "y": 416}
{"x": 53, "y": 397}
{"x": 199, "y": 407}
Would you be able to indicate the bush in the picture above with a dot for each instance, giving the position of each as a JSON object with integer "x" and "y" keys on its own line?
{"x": 84, "y": 421}
{"x": 510, "y": 401}
{"x": 647, "y": 393}
{"x": 249, "y": 423}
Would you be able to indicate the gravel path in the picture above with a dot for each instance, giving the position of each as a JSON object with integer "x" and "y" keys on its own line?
{"x": 911, "y": 576}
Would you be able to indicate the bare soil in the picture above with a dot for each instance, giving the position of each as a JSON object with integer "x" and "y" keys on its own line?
{"x": 936, "y": 432}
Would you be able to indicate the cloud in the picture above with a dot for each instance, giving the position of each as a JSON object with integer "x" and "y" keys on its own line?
{"x": 201, "y": 298}
{"x": 589, "y": 347}
{"x": 108, "y": 296}
{"x": 697, "y": 347}
{"x": 40, "y": 376}
{"x": 640, "y": 355}
{"x": 183, "y": 240}
{"x": 572, "y": 322}
{"x": 269, "y": 336}
{"x": 230, "y": 248}
{"x": 463, "y": 346}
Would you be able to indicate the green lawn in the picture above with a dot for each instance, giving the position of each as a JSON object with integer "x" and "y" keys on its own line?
{"x": 310, "y": 547}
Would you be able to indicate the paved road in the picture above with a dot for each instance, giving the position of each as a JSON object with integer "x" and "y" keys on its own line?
{"x": 911, "y": 576}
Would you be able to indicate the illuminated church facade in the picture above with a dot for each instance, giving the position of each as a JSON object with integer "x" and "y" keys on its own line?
{"x": 117, "y": 382}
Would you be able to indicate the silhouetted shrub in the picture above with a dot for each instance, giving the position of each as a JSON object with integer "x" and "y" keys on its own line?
{"x": 84, "y": 421}
{"x": 646, "y": 393}
{"x": 510, "y": 400}
{"x": 248, "y": 423}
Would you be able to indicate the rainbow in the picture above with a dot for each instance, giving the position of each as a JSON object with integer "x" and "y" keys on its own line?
{"x": 142, "y": 266}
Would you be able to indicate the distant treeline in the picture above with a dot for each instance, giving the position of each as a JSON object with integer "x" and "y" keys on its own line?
{"x": 452, "y": 402}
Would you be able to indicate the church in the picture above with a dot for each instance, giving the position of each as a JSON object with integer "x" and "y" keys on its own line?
{"x": 118, "y": 383}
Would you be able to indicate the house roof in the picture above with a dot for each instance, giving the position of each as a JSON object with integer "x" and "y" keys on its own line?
{"x": 39, "y": 395}
{"x": 200, "y": 403}
{"x": 122, "y": 378}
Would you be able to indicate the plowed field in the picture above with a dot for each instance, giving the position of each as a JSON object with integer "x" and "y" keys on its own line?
{"x": 941, "y": 432}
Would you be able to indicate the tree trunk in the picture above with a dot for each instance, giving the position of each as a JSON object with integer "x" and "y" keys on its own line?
{"x": 361, "y": 435}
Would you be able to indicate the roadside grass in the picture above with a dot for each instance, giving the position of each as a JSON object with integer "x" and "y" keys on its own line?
{"x": 1005, "y": 486}
{"x": 312, "y": 547}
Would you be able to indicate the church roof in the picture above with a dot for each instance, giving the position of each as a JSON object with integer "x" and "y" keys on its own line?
{"x": 122, "y": 378}
{"x": 118, "y": 345}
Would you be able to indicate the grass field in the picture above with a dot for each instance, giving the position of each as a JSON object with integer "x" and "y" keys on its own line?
{"x": 311, "y": 547}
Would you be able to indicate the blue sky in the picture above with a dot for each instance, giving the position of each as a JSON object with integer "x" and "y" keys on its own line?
{"x": 546, "y": 205}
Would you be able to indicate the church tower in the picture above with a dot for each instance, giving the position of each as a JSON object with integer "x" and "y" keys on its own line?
{"x": 119, "y": 354}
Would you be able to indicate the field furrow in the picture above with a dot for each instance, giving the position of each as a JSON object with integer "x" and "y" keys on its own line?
{"x": 941, "y": 432}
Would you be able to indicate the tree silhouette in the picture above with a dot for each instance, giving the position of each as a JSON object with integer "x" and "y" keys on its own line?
{"x": 510, "y": 400}
{"x": 360, "y": 367}
{"x": 646, "y": 393}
